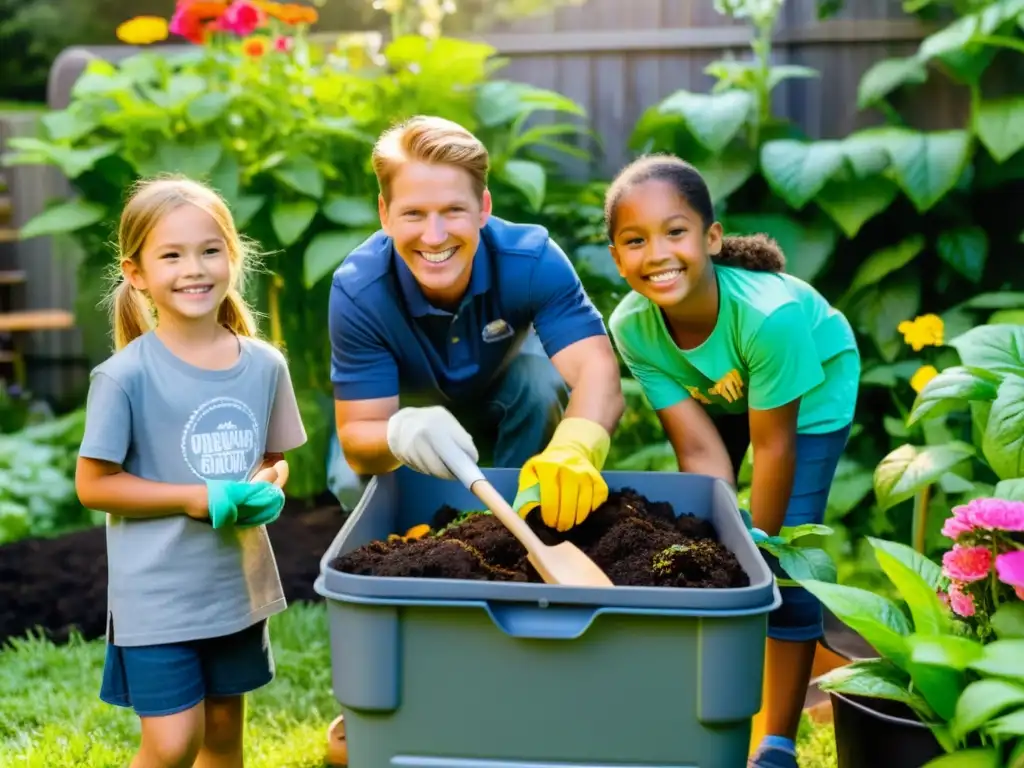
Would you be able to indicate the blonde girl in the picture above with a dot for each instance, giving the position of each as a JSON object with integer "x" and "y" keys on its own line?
{"x": 190, "y": 405}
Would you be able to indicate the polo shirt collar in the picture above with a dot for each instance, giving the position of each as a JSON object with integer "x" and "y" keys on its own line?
{"x": 419, "y": 306}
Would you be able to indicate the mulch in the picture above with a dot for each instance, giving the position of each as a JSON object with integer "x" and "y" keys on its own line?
{"x": 54, "y": 585}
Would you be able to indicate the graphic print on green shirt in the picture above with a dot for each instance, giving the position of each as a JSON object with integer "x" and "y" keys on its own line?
{"x": 776, "y": 339}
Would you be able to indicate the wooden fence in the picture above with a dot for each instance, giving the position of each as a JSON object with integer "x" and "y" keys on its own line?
{"x": 616, "y": 58}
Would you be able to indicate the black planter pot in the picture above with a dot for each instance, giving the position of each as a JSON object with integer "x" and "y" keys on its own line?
{"x": 878, "y": 733}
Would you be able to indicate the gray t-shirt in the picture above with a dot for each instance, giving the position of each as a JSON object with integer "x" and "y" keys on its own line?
{"x": 172, "y": 578}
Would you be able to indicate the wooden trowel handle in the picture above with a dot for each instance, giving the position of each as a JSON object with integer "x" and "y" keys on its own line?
{"x": 469, "y": 474}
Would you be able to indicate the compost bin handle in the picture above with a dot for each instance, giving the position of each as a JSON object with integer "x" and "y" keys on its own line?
{"x": 536, "y": 623}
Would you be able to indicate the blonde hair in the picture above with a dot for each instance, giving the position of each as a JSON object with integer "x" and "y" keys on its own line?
{"x": 429, "y": 139}
{"x": 131, "y": 312}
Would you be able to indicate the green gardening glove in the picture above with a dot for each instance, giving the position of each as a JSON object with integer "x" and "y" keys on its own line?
{"x": 243, "y": 504}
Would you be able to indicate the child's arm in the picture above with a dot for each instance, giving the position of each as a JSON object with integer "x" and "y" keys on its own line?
{"x": 106, "y": 487}
{"x": 784, "y": 366}
{"x": 773, "y": 439}
{"x": 698, "y": 445}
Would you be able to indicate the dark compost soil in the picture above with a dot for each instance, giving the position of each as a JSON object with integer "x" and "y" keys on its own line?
{"x": 636, "y": 542}
{"x": 57, "y": 584}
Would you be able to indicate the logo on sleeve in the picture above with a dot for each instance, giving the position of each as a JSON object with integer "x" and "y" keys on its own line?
{"x": 221, "y": 440}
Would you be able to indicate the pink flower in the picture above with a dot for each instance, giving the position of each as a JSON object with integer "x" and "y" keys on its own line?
{"x": 967, "y": 564}
{"x": 1010, "y": 568}
{"x": 243, "y": 18}
{"x": 996, "y": 514}
{"x": 283, "y": 44}
{"x": 959, "y": 522}
{"x": 961, "y": 602}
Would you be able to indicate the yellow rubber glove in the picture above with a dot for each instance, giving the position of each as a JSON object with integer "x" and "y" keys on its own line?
{"x": 564, "y": 479}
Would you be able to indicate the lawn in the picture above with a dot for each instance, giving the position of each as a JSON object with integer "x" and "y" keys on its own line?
{"x": 51, "y": 716}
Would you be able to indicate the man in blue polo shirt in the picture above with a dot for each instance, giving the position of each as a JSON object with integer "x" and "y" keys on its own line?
{"x": 451, "y": 325}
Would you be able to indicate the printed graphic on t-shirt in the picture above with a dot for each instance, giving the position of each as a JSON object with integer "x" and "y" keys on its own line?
{"x": 220, "y": 440}
{"x": 729, "y": 388}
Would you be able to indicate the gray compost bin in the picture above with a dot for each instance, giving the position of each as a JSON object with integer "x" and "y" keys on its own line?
{"x": 474, "y": 674}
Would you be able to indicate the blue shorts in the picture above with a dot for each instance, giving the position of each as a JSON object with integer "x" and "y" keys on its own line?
{"x": 159, "y": 680}
{"x": 799, "y": 618}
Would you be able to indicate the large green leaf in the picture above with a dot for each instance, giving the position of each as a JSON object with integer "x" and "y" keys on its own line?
{"x": 807, "y": 247}
{"x": 874, "y": 617}
{"x": 882, "y": 263}
{"x": 291, "y": 219}
{"x": 999, "y": 124}
{"x": 714, "y": 119}
{"x": 875, "y": 679}
{"x": 966, "y": 250}
{"x": 885, "y": 76}
{"x": 937, "y": 664}
{"x": 351, "y": 211}
{"x": 951, "y": 389}
{"x": 301, "y": 173}
{"x": 529, "y": 178}
{"x": 925, "y": 569}
{"x": 1008, "y": 620}
{"x": 852, "y": 203}
{"x": 1003, "y": 442}
{"x": 927, "y": 165}
{"x": 727, "y": 171}
{"x": 995, "y": 348}
{"x": 194, "y": 159}
{"x": 929, "y": 614}
{"x": 207, "y": 107}
{"x": 880, "y": 309}
{"x": 327, "y": 250}
{"x": 801, "y": 563}
{"x": 981, "y": 701}
{"x": 797, "y": 170}
{"x": 64, "y": 217}
{"x": 852, "y": 482}
{"x": 910, "y": 468}
{"x": 980, "y": 757}
{"x": 72, "y": 162}
{"x": 1012, "y": 490}
{"x": 1003, "y": 659}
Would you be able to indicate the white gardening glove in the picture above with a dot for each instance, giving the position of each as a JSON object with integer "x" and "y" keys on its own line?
{"x": 417, "y": 437}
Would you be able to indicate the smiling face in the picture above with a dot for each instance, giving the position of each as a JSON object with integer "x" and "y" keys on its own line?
{"x": 184, "y": 265}
{"x": 660, "y": 245}
{"x": 434, "y": 217}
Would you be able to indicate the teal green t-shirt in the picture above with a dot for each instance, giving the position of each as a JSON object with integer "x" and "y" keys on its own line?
{"x": 776, "y": 340}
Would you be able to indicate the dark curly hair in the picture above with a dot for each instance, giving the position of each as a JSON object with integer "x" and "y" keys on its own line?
{"x": 758, "y": 253}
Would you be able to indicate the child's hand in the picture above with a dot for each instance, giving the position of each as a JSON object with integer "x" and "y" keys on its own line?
{"x": 277, "y": 474}
{"x": 198, "y": 505}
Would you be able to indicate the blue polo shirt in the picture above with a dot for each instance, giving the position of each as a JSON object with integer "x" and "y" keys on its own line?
{"x": 386, "y": 338}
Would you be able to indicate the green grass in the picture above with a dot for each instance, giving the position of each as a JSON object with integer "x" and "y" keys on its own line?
{"x": 52, "y": 717}
{"x": 816, "y": 745}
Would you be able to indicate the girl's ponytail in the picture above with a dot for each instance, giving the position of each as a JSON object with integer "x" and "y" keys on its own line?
{"x": 131, "y": 316}
{"x": 757, "y": 253}
{"x": 236, "y": 314}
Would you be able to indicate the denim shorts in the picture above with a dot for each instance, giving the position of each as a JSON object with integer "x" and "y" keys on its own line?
{"x": 799, "y": 618}
{"x": 157, "y": 680}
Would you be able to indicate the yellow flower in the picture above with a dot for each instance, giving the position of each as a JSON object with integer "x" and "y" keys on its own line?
{"x": 922, "y": 376}
{"x": 923, "y": 331}
{"x": 143, "y": 30}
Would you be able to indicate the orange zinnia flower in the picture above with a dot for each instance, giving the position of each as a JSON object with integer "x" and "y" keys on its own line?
{"x": 290, "y": 13}
{"x": 255, "y": 46}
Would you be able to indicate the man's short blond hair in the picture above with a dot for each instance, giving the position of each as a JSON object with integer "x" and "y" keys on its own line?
{"x": 429, "y": 139}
